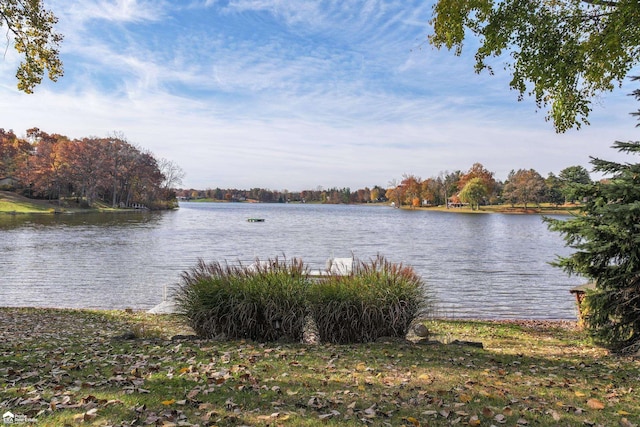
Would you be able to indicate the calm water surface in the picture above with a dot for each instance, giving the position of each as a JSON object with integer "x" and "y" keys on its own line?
{"x": 478, "y": 265}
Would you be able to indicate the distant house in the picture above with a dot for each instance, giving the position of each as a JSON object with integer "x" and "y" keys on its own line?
{"x": 455, "y": 202}
{"x": 8, "y": 181}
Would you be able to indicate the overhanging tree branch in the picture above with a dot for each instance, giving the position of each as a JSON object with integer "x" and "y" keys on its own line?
{"x": 34, "y": 39}
{"x": 562, "y": 53}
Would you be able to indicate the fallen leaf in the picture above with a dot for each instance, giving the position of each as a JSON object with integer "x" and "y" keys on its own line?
{"x": 331, "y": 414}
{"x": 168, "y": 402}
{"x": 370, "y": 412}
{"x": 90, "y": 415}
{"x": 465, "y": 398}
{"x": 193, "y": 393}
{"x": 413, "y": 421}
{"x": 474, "y": 421}
{"x": 595, "y": 404}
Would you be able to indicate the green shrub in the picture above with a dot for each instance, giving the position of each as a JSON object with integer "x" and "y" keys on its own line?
{"x": 262, "y": 302}
{"x": 379, "y": 299}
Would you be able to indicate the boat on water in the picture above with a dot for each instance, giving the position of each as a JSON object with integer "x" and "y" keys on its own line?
{"x": 255, "y": 219}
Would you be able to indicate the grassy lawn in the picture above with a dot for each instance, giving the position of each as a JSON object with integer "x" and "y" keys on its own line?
{"x": 12, "y": 203}
{"x": 64, "y": 367}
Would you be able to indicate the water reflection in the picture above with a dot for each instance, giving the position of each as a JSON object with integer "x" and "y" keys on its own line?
{"x": 107, "y": 219}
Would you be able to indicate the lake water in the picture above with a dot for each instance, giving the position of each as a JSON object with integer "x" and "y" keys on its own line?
{"x": 477, "y": 265}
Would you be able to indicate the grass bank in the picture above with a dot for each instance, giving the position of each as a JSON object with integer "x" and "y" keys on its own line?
{"x": 63, "y": 367}
{"x": 12, "y": 203}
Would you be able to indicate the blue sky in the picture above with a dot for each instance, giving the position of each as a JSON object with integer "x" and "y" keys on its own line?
{"x": 294, "y": 94}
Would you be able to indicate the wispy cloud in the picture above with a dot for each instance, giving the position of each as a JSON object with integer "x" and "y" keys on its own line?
{"x": 294, "y": 94}
{"x": 110, "y": 10}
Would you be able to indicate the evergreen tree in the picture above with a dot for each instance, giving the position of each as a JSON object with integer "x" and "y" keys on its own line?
{"x": 606, "y": 237}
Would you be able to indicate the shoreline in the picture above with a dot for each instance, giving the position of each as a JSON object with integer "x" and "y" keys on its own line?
{"x": 15, "y": 204}
{"x": 501, "y": 209}
{"x": 496, "y": 320}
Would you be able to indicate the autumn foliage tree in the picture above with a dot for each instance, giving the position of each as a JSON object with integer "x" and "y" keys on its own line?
{"x": 477, "y": 170}
{"x": 524, "y": 186}
{"x": 431, "y": 191}
{"x": 90, "y": 169}
{"x": 411, "y": 190}
{"x": 14, "y": 152}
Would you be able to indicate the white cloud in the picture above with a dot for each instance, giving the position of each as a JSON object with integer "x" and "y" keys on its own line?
{"x": 110, "y": 10}
{"x": 293, "y": 94}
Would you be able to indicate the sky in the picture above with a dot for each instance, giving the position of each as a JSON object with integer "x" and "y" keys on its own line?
{"x": 294, "y": 94}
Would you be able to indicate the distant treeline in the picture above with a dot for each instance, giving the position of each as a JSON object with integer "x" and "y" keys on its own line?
{"x": 475, "y": 187}
{"x": 87, "y": 170}
{"x": 332, "y": 195}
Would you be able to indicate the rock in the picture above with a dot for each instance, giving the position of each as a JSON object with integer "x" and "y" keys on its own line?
{"x": 421, "y": 330}
{"x": 310, "y": 333}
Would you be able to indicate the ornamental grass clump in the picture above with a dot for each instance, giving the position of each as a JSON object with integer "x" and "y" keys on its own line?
{"x": 379, "y": 299}
{"x": 264, "y": 301}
